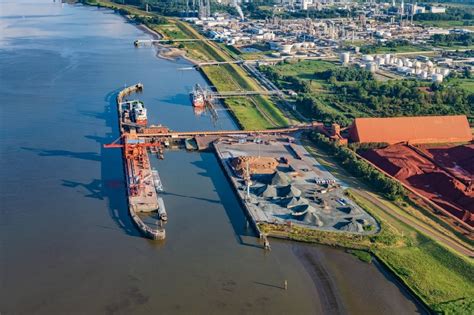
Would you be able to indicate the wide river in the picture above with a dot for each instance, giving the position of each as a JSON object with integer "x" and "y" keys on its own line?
{"x": 67, "y": 245}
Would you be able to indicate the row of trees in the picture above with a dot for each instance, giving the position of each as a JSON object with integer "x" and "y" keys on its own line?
{"x": 360, "y": 168}
{"x": 465, "y": 39}
{"x": 452, "y": 14}
{"x": 404, "y": 98}
{"x": 262, "y": 10}
{"x": 344, "y": 74}
{"x": 392, "y": 45}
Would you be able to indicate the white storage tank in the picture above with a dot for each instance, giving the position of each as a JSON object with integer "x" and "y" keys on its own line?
{"x": 399, "y": 63}
{"x": 372, "y": 66}
{"x": 409, "y": 64}
{"x": 286, "y": 49}
{"x": 423, "y": 75}
{"x": 417, "y": 64}
{"x": 367, "y": 58}
{"x": 437, "y": 78}
{"x": 444, "y": 72}
{"x": 345, "y": 57}
{"x": 298, "y": 46}
{"x": 429, "y": 64}
{"x": 388, "y": 58}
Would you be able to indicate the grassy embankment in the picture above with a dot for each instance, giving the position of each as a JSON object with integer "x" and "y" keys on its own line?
{"x": 257, "y": 112}
{"x": 441, "y": 278}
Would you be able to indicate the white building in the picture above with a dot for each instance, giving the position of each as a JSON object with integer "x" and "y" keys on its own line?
{"x": 437, "y": 9}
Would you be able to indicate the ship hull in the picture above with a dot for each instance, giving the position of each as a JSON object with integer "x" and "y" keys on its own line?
{"x": 198, "y": 104}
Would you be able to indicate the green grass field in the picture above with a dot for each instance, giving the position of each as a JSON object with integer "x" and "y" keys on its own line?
{"x": 444, "y": 24}
{"x": 437, "y": 275}
{"x": 467, "y": 84}
{"x": 443, "y": 279}
{"x": 400, "y": 49}
{"x": 305, "y": 70}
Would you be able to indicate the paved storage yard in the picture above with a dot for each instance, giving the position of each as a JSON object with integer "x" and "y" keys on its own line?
{"x": 288, "y": 185}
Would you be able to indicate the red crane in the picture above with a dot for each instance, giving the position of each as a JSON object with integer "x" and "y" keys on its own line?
{"x": 136, "y": 158}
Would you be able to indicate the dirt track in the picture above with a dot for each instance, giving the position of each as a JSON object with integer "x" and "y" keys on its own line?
{"x": 429, "y": 232}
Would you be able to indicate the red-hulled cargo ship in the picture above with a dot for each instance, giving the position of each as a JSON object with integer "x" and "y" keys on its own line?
{"x": 138, "y": 113}
{"x": 198, "y": 97}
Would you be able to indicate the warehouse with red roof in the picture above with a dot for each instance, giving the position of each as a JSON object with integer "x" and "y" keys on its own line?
{"x": 416, "y": 130}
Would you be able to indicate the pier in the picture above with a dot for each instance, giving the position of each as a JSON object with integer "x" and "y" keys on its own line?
{"x": 155, "y": 132}
{"x": 242, "y": 93}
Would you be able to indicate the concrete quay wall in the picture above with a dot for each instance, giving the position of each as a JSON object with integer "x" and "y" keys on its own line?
{"x": 228, "y": 172}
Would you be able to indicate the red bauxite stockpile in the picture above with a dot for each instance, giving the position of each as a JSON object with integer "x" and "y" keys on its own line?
{"x": 445, "y": 180}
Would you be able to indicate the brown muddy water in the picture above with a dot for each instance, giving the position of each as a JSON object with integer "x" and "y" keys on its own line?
{"x": 67, "y": 245}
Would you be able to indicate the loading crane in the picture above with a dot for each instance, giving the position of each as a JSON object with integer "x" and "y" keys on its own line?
{"x": 136, "y": 158}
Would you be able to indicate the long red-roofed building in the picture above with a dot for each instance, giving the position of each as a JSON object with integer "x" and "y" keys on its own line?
{"x": 416, "y": 130}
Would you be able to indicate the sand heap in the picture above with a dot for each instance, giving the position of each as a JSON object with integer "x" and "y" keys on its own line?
{"x": 352, "y": 226}
{"x": 256, "y": 165}
{"x": 280, "y": 179}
